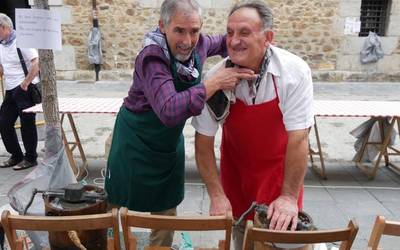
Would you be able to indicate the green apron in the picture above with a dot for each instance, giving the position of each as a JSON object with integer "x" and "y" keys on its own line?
{"x": 146, "y": 165}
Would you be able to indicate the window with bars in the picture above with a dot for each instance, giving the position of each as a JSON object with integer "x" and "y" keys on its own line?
{"x": 373, "y": 16}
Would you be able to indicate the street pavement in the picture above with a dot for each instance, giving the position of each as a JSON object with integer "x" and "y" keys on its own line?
{"x": 346, "y": 194}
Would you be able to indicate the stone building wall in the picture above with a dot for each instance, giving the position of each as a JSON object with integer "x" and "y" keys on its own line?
{"x": 312, "y": 29}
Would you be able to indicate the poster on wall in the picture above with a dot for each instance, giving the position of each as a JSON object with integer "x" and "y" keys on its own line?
{"x": 352, "y": 26}
{"x": 38, "y": 28}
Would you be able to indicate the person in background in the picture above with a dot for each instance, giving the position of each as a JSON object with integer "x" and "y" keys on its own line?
{"x": 17, "y": 98}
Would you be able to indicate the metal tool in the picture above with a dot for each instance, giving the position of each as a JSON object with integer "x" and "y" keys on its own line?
{"x": 304, "y": 222}
{"x": 72, "y": 193}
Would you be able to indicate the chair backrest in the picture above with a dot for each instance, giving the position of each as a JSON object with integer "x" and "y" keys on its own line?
{"x": 346, "y": 235}
{"x": 184, "y": 223}
{"x": 11, "y": 223}
{"x": 382, "y": 227}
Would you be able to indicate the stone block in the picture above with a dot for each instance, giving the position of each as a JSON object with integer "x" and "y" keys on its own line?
{"x": 348, "y": 63}
{"x": 338, "y": 25}
{"x": 353, "y": 63}
{"x": 65, "y": 75}
{"x": 394, "y": 27}
{"x": 395, "y": 8}
{"x": 389, "y": 64}
{"x": 65, "y": 59}
{"x": 389, "y": 44}
{"x": 149, "y": 3}
{"x": 349, "y": 8}
{"x": 51, "y": 2}
{"x": 352, "y": 45}
{"x": 205, "y": 4}
{"x": 221, "y": 4}
{"x": 65, "y": 12}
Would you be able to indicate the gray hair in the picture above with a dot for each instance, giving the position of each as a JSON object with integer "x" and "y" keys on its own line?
{"x": 5, "y": 21}
{"x": 169, "y": 7}
{"x": 265, "y": 13}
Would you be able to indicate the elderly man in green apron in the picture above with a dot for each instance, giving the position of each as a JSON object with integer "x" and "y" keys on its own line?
{"x": 145, "y": 170}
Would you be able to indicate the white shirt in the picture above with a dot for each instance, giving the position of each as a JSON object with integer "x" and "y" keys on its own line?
{"x": 12, "y": 69}
{"x": 294, "y": 86}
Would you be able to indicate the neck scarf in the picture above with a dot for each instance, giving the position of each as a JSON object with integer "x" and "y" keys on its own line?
{"x": 157, "y": 38}
{"x": 7, "y": 42}
{"x": 253, "y": 86}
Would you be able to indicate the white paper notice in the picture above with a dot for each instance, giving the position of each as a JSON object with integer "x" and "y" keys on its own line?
{"x": 352, "y": 26}
{"x": 39, "y": 29}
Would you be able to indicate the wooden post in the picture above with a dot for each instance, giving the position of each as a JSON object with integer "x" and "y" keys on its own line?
{"x": 48, "y": 78}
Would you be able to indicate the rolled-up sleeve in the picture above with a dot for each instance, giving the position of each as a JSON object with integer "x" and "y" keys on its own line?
{"x": 298, "y": 107}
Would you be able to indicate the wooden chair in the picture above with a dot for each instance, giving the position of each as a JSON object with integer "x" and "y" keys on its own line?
{"x": 346, "y": 235}
{"x": 11, "y": 223}
{"x": 184, "y": 223}
{"x": 382, "y": 226}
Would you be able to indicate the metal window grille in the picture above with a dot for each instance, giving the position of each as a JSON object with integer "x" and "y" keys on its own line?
{"x": 373, "y": 16}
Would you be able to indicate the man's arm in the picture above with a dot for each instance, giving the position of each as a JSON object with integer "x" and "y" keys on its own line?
{"x": 217, "y": 45}
{"x": 206, "y": 163}
{"x": 172, "y": 107}
{"x": 32, "y": 73}
{"x": 284, "y": 209}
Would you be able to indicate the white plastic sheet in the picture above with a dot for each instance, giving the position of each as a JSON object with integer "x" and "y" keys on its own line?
{"x": 371, "y": 151}
{"x": 54, "y": 172}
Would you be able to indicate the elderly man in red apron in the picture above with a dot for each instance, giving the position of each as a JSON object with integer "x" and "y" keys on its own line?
{"x": 265, "y": 125}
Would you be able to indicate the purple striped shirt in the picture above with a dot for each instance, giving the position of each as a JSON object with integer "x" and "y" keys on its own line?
{"x": 153, "y": 88}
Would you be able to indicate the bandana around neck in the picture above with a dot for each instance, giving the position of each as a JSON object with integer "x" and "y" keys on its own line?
{"x": 7, "y": 42}
{"x": 157, "y": 38}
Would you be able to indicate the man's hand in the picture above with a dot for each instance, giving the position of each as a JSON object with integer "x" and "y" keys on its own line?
{"x": 227, "y": 79}
{"x": 24, "y": 86}
{"x": 282, "y": 211}
{"x": 220, "y": 205}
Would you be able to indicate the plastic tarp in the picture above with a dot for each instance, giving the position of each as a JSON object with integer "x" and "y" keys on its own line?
{"x": 371, "y": 151}
{"x": 372, "y": 49}
{"x": 54, "y": 172}
{"x": 94, "y": 46}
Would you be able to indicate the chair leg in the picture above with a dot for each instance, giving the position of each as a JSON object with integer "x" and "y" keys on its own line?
{"x": 376, "y": 233}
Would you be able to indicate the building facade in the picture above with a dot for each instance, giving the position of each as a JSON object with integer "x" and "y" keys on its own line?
{"x": 324, "y": 33}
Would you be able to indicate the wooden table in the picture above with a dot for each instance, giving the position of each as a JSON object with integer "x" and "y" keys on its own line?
{"x": 70, "y": 106}
{"x": 378, "y": 110}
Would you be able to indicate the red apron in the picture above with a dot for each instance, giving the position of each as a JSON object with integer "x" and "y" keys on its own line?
{"x": 253, "y": 149}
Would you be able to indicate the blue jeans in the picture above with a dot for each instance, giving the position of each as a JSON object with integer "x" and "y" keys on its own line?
{"x": 14, "y": 102}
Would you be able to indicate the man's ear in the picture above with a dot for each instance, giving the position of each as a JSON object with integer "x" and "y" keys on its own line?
{"x": 269, "y": 37}
{"x": 162, "y": 26}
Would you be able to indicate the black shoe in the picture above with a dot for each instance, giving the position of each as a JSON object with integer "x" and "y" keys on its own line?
{"x": 9, "y": 163}
{"x": 24, "y": 165}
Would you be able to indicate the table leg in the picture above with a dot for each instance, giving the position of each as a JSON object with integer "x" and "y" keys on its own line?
{"x": 361, "y": 152}
{"x": 392, "y": 166}
{"x": 68, "y": 150}
{"x": 382, "y": 131}
{"x": 76, "y": 143}
{"x": 382, "y": 150}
